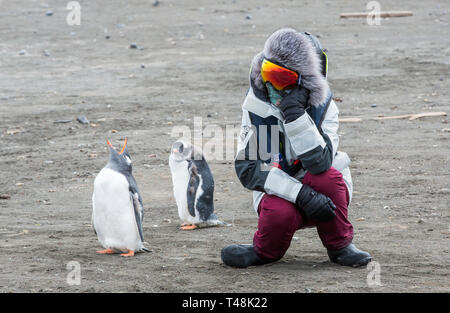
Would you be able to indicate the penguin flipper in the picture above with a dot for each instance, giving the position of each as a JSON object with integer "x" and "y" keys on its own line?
{"x": 92, "y": 216}
{"x": 138, "y": 211}
{"x": 192, "y": 188}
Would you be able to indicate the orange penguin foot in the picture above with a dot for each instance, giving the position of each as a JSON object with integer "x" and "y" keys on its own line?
{"x": 188, "y": 226}
{"x": 129, "y": 253}
{"x": 106, "y": 251}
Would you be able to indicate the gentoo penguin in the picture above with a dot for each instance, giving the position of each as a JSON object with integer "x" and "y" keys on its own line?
{"x": 117, "y": 210}
{"x": 193, "y": 186}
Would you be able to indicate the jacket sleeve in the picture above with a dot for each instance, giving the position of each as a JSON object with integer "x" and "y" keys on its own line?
{"x": 315, "y": 147}
{"x": 255, "y": 174}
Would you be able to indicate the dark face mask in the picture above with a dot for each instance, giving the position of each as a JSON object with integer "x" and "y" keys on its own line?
{"x": 275, "y": 95}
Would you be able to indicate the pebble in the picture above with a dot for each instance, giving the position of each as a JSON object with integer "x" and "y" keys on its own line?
{"x": 5, "y": 196}
{"x": 373, "y": 105}
{"x": 49, "y": 13}
{"x": 62, "y": 121}
{"x": 46, "y": 53}
{"x": 155, "y": 3}
{"x": 133, "y": 46}
{"x": 83, "y": 119}
{"x": 22, "y": 52}
{"x": 248, "y": 17}
{"x": 13, "y": 131}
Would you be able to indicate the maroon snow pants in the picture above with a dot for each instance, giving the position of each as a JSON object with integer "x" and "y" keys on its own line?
{"x": 279, "y": 219}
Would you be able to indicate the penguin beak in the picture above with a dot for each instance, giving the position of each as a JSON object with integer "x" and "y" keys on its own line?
{"x": 124, "y": 145}
{"x": 123, "y": 148}
{"x": 109, "y": 143}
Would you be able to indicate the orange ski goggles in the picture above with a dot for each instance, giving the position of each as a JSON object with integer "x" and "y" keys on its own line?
{"x": 280, "y": 77}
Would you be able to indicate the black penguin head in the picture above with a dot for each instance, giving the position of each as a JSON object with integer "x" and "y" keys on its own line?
{"x": 119, "y": 161}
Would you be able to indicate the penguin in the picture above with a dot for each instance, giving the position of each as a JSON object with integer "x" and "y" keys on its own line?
{"x": 117, "y": 210}
{"x": 193, "y": 186}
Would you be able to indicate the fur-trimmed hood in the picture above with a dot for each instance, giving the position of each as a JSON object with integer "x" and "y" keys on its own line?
{"x": 295, "y": 51}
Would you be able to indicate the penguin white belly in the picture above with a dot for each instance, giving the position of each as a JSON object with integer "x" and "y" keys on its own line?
{"x": 113, "y": 212}
{"x": 180, "y": 179}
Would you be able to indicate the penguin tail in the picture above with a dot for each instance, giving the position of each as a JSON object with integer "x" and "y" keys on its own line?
{"x": 144, "y": 249}
{"x": 213, "y": 220}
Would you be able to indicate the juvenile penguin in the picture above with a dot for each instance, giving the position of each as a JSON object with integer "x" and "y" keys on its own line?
{"x": 193, "y": 186}
{"x": 117, "y": 210}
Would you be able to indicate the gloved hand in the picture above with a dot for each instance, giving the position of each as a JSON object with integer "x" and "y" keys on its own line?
{"x": 315, "y": 205}
{"x": 293, "y": 105}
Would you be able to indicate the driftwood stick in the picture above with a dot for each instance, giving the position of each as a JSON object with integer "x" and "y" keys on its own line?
{"x": 381, "y": 14}
{"x": 426, "y": 114}
{"x": 350, "y": 120}
{"x": 394, "y": 117}
{"x": 411, "y": 117}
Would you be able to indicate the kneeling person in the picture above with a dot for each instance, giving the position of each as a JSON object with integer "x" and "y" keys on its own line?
{"x": 303, "y": 181}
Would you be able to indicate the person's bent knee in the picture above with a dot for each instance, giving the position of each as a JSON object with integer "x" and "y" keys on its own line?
{"x": 277, "y": 213}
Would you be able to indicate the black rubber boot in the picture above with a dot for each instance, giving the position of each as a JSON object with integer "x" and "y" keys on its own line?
{"x": 349, "y": 256}
{"x": 241, "y": 256}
